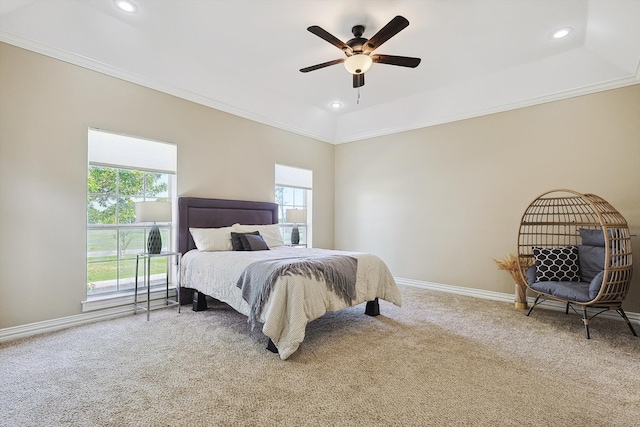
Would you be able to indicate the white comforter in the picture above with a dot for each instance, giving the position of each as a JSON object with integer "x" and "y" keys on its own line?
{"x": 290, "y": 306}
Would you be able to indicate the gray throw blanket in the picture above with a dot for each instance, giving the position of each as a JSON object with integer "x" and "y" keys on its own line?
{"x": 258, "y": 279}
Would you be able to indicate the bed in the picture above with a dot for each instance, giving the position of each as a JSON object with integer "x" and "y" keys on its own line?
{"x": 300, "y": 284}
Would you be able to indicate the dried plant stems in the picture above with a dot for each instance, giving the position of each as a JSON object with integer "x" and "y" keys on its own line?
{"x": 513, "y": 265}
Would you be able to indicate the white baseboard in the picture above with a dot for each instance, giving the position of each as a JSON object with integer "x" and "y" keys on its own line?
{"x": 499, "y": 296}
{"x": 124, "y": 298}
{"x": 22, "y": 331}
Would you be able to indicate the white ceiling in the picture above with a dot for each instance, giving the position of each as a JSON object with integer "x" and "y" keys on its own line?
{"x": 243, "y": 56}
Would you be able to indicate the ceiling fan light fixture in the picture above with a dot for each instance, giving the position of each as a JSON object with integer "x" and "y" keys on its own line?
{"x": 358, "y": 63}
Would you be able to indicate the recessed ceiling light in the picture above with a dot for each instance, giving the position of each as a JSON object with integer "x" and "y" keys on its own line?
{"x": 126, "y": 6}
{"x": 336, "y": 104}
{"x": 561, "y": 33}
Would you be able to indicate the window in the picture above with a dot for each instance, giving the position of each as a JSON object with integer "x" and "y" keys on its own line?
{"x": 293, "y": 190}
{"x": 124, "y": 170}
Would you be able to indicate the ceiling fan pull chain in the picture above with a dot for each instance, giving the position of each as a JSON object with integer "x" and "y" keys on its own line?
{"x": 358, "y": 100}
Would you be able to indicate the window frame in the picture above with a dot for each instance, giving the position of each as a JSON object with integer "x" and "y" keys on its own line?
{"x": 124, "y": 153}
{"x": 123, "y": 258}
{"x": 299, "y": 180}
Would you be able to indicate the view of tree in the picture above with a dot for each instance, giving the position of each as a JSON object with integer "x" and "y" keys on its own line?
{"x": 112, "y": 194}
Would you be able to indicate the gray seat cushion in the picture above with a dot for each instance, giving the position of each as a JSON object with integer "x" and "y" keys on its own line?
{"x": 571, "y": 291}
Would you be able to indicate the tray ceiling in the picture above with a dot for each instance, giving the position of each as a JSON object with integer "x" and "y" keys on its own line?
{"x": 243, "y": 56}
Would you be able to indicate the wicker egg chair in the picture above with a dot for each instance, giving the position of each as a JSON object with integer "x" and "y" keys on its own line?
{"x": 561, "y": 219}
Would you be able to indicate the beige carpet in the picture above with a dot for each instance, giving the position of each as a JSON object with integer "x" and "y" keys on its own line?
{"x": 441, "y": 360}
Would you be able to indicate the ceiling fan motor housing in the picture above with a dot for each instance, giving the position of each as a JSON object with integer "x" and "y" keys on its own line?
{"x": 357, "y": 43}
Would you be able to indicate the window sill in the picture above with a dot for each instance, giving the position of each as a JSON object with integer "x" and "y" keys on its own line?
{"x": 101, "y": 302}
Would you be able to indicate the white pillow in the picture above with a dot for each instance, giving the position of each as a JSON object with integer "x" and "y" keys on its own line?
{"x": 212, "y": 239}
{"x": 270, "y": 233}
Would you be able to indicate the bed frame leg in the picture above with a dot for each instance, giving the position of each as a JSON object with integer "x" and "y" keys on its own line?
{"x": 272, "y": 347}
{"x": 186, "y": 295}
{"x": 373, "y": 308}
{"x": 199, "y": 301}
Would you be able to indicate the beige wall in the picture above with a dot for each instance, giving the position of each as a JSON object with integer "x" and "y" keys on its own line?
{"x": 46, "y": 107}
{"x": 438, "y": 204}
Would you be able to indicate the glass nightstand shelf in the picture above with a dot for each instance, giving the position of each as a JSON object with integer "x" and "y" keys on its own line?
{"x": 146, "y": 259}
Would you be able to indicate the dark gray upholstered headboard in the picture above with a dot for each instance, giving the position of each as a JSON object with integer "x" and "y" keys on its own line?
{"x": 213, "y": 213}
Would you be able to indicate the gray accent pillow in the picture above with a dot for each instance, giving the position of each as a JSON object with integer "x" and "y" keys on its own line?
{"x": 591, "y": 237}
{"x": 531, "y": 274}
{"x": 557, "y": 264}
{"x": 591, "y": 260}
{"x": 595, "y": 285}
{"x": 251, "y": 242}
{"x": 237, "y": 243}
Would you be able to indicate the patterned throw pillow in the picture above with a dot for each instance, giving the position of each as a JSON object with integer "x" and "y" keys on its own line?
{"x": 557, "y": 264}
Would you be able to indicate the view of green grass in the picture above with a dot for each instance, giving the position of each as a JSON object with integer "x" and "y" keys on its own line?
{"x": 105, "y": 240}
{"x": 106, "y": 268}
{"x": 102, "y": 260}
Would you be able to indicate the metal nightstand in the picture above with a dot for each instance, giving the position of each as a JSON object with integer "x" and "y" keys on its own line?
{"x": 147, "y": 261}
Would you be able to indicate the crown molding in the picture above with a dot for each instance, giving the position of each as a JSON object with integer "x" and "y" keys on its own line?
{"x": 100, "y": 67}
{"x": 334, "y": 138}
{"x": 586, "y": 90}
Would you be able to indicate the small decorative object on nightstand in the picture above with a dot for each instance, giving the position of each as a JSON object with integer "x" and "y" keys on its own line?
{"x": 296, "y": 216}
{"x": 153, "y": 212}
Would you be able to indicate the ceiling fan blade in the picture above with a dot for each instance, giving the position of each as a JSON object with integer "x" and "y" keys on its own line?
{"x": 358, "y": 80}
{"x": 324, "y": 64}
{"x": 394, "y": 26}
{"x": 323, "y": 34}
{"x": 403, "y": 61}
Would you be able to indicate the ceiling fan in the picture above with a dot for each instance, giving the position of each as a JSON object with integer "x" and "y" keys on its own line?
{"x": 358, "y": 50}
